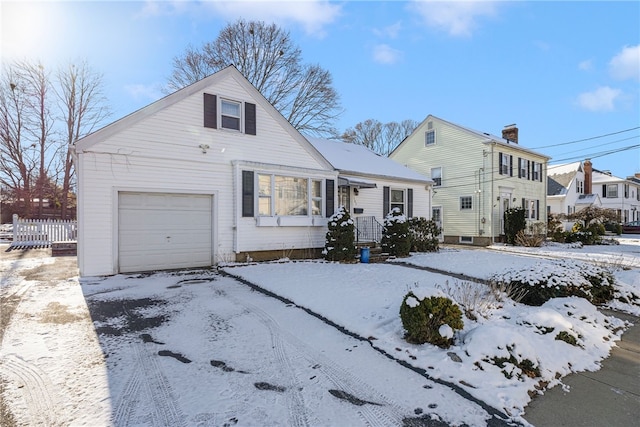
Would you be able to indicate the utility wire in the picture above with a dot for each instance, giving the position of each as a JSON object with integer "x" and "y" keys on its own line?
{"x": 587, "y": 139}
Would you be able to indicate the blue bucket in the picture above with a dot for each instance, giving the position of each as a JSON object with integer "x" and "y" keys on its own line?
{"x": 364, "y": 255}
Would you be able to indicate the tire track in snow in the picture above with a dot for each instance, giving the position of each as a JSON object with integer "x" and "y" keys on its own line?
{"x": 36, "y": 388}
{"x": 373, "y": 415}
{"x": 127, "y": 400}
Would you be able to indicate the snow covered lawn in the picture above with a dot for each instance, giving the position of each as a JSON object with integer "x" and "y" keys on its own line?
{"x": 365, "y": 299}
{"x": 201, "y": 348}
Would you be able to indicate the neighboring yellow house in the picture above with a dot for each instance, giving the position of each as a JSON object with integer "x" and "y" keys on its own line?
{"x": 477, "y": 176}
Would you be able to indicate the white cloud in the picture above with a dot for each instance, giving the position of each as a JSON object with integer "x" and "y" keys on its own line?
{"x": 385, "y": 54}
{"x": 458, "y": 18}
{"x": 312, "y": 15}
{"x": 390, "y": 31}
{"x": 626, "y": 64}
{"x": 586, "y": 65}
{"x": 601, "y": 99}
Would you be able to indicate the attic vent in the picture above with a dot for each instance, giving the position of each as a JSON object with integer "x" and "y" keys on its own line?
{"x": 429, "y": 125}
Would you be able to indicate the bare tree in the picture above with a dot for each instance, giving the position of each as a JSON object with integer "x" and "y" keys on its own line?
{"x": 267, "y": 57}
{"x": 379, "y": 137}
{"x": 83, "y": 107}
{"x": 18, "y": 159}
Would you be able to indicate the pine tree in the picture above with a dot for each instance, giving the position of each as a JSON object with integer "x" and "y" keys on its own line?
{"x": 340, "y": 240}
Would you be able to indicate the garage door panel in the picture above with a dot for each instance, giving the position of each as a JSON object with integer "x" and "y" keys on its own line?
{"x": 164, "y": 231}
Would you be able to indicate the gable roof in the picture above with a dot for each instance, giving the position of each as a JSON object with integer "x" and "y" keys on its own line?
{"x": 228, "y": 72}
{"x": 357, "y": 159}
{"x": 486, "y": 137}
{"x": 555, "y": 188}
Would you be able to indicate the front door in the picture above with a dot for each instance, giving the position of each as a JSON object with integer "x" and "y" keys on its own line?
{"x": 344, "y": 198}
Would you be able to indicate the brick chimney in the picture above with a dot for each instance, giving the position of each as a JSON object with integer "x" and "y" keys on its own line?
{"x": 510, "y": 133}
{"x": 588, "y": 176}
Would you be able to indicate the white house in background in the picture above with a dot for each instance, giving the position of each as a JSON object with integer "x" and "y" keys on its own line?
{"x": 619, "y": 194}
{"x": 569, "y": 188}
{"x": 477, "y": 176}
{"x": 209, "y": 173}
{"x": 370, "y": 185}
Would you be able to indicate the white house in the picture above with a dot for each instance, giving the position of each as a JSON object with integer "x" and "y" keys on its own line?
{"x": 619, "y": 194}
{"x": 477, "y": 176}
{"x": 370, "y": 185}
{"x": 210, "y": 173}
{"x": 569, "y": 188}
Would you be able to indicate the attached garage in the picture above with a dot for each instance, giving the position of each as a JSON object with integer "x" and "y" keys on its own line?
{"x": 160, "y": 231}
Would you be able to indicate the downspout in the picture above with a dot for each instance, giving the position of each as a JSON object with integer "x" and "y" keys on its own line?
{"x": 492, "y": 198}
{"x": 235, "y": 206}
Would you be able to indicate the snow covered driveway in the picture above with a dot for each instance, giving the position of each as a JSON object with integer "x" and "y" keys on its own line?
{"x": 198, "y": 348}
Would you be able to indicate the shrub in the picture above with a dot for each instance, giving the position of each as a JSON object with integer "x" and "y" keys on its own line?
{"x": 424, "y": 235}
{"x": 396, "y": 239}
{"x": 529, "y": 240}
{"x": 424, "y": 320}
{"x": 567, "y": 337}
{"x": 562, "y": 278}
{"x": 340, "y": 239}
{"x": 514, "y": 221}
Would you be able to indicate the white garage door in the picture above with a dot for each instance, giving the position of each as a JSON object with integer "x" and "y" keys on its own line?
{"x": 158, "y": 231}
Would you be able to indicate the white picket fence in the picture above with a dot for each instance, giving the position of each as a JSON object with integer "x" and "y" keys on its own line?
{"x": 34, "y": 233}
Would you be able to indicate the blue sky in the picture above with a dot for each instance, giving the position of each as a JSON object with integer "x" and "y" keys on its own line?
{"x": 561, "y": 71}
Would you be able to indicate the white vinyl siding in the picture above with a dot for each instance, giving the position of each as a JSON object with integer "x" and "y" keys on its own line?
{"x": 161, "y": 153}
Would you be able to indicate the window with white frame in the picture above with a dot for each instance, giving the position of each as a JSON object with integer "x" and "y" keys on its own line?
{"x": 230, "y": 114}
{"x": 430, "y": 137}
{"x": 579, "y": 186}
{"x": 522, "y": 164}
{"x": 291, "y": 195}
{"x": 264, "y": 195}
{"x": 610, "y": 191}
{"x": 466, "y": 203}
{"x": 537, "y": 171}
{"x": 396, "y": 198}
{"x": 316, "y": 197}
{"x": 626, "y": 191}
{"x": 436, "y": 176}
{"x": 505, "y": 164}
{"x": 531, "y": 209}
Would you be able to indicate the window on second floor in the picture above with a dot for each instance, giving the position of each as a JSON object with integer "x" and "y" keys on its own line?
{"x": 506, "y": 164}
{"x": 523, "y": 168}
{"x": 610, "y": 191}
{"x": 579, "y": 186}
{"x": 466, "y": 203}
{"x": 626, "y": 191}
{"x": 436, "y": 176}
{"x": 537, "y": 172}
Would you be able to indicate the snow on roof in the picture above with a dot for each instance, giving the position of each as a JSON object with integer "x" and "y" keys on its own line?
{"x": 358, "y": 159}
{"x": 601, "y": 177}
{"x": 563, "y": 168}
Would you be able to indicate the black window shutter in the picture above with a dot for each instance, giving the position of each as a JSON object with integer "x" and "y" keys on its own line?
{"x": 529, "y": 169}
{"x": 330, "y": 195}
{"x": 537, "y": 209}
{"x": 604, "y": 190}
{"x": 510, "y": 165}
{"x": 210, "y": 111}
{"x": 519, "y": 167}
{"x": 385, "y": 201}
{"x": 249, "y": 118}
{"x": 540, "y": 177}
{"x": 409, "y": 202}
{"x": 524, "y": 203}
{"x": 247, "y": 193}
{"x": 500, "y": 163}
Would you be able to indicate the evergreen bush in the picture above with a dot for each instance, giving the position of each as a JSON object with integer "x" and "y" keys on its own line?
{"x": 424, "y": 235}
{"x": 424, "y": 320}
{"x": 563, "y": 278}
{"x": 396, "y": 239}
{"x": 514, "y": 222}
{"x": 340, "y": 239}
